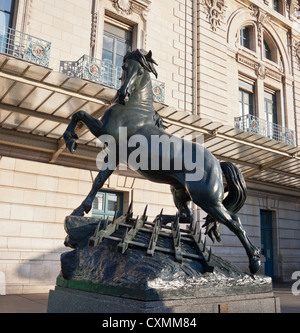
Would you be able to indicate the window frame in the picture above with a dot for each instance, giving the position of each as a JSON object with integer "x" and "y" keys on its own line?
{"x": 11, "y": 13}
{"x": 121, "y": 25}
{"x": 105, "y": 213}
{"x": 250, "y": 38}
{"x": 244, "y": 38}
{"x": 249, "y": 89}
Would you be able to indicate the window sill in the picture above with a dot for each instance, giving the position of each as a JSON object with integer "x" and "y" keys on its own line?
{"x": 245, "y": 51}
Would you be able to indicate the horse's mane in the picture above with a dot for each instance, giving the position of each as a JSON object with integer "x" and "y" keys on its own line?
{"x": 144, "y": 58}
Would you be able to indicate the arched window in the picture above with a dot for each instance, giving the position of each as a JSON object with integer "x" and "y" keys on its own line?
{"x": 247, "y": 39}
{"x": 270, "y": 50}
{"x": 267, "y": 51}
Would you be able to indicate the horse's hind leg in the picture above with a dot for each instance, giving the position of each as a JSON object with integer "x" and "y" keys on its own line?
{"x": 221, "y": 214}
{"x": 181, "y": 200}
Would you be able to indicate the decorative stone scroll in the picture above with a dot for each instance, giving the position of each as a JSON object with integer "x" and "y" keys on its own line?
{"x": 215, "y": 10}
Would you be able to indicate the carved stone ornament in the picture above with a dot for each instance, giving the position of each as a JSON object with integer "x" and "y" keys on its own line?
{"x": 260, "y": 71}
{"x": 126, "y": 7}
{"x": 262, "y": 18}
{"x": 292, "y": 7}
{"x": 296, "y": 49}
{"x": 215, "y": 10}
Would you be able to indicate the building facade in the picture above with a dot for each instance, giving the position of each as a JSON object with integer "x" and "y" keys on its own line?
{"x": 228, "y": 70}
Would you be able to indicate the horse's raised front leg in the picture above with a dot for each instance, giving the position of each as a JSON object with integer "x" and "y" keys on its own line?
{"x": 99, "y": 181}
{"x": 93, "y": 124}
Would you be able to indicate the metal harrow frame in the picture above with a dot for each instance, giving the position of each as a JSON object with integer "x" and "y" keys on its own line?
{"x": 156, "y": 229}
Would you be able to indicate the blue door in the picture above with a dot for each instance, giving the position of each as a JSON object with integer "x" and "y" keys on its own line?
{"x": 267, "y": 240}
{"x": 106, "y": 204}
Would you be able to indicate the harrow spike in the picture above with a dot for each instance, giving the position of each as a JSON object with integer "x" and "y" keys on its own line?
{"x": 106, "y": 224}
{"x": 200, "y": 236}
{"x": 176, "y": 222}
{"x": 209, "y": 255}
{"x": 145, "y": 211}
{"x": 160, "y": 214}
{"x": 191, "y": 224}
{"x": 129, "y": 211}
{"x": 135, "y": 222}
{"x": 195, "y": 227}
{"x": 204, "y": 245}
{"x": 177, "y": 241}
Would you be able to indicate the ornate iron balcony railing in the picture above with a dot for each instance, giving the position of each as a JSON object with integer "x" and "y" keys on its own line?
{"x": 250, "y": 123}
{"x": 105, "y": 73}
{"x": 23, "y": 46}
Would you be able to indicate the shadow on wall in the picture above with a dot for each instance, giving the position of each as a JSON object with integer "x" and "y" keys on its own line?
{"x": 42, "y": 268}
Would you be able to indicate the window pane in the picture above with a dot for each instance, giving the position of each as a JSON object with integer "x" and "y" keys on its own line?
{"x": 246, "y": 98}
{"x": 276, "y": 5}
{"x": 108, "y": 43}
{"x": 121, "y": 48}
{"x": 244, "y": 37}
{"x": 267, "y": 51}
{"x": 246, "y": 109}
{"x": 119, "y": 60}
{"x": 5, "y": 5}
{"x": 240, "y": 96}
{"x": 98, "y": 202}
{"x": 240, "y": 109}
{"x": 107, "y": 56}
{"x": 245, "y": 102}
{"x": 4, "y": 20}
{"x": 112, "y": 202}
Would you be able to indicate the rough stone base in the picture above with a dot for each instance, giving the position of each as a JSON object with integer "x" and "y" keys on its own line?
{"x": 66, "y": 300}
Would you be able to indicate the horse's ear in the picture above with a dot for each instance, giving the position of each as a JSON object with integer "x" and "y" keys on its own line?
{"x": 148, "y": 57}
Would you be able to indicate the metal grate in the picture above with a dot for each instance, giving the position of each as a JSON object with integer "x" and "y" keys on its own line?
{"x": 23, "y": 46}
{"x": 253, "y": 124}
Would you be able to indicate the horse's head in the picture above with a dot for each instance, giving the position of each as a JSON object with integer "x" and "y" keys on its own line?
{"x": 135, "y": 66}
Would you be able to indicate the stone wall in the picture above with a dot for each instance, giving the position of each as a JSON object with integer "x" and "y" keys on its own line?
{"x": 34, "y": 200}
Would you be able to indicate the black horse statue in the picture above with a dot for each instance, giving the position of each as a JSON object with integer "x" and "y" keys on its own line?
{"x": 133, "y": 109}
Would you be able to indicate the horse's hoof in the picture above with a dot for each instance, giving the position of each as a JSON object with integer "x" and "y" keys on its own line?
{"x": 78, "y": 212}
{"x": 71, "y": 145}
{"x": 255, "y": 265}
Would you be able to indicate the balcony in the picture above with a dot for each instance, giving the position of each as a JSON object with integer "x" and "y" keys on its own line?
{"x": 250, "y": 123}
{"x": 23, "y": 46}
{"x": 103, "y": 72}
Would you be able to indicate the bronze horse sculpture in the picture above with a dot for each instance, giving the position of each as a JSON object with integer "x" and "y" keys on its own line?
{"x": 133, "y": 109}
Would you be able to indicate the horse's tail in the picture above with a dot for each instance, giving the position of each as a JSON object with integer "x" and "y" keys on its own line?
{"x": 236, "y": 185}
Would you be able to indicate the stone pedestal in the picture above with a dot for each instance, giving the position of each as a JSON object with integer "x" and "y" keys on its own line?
{"x": 65, "y": 300}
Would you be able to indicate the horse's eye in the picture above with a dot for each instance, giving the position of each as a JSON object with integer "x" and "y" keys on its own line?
{"x": 141, "y": 72}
